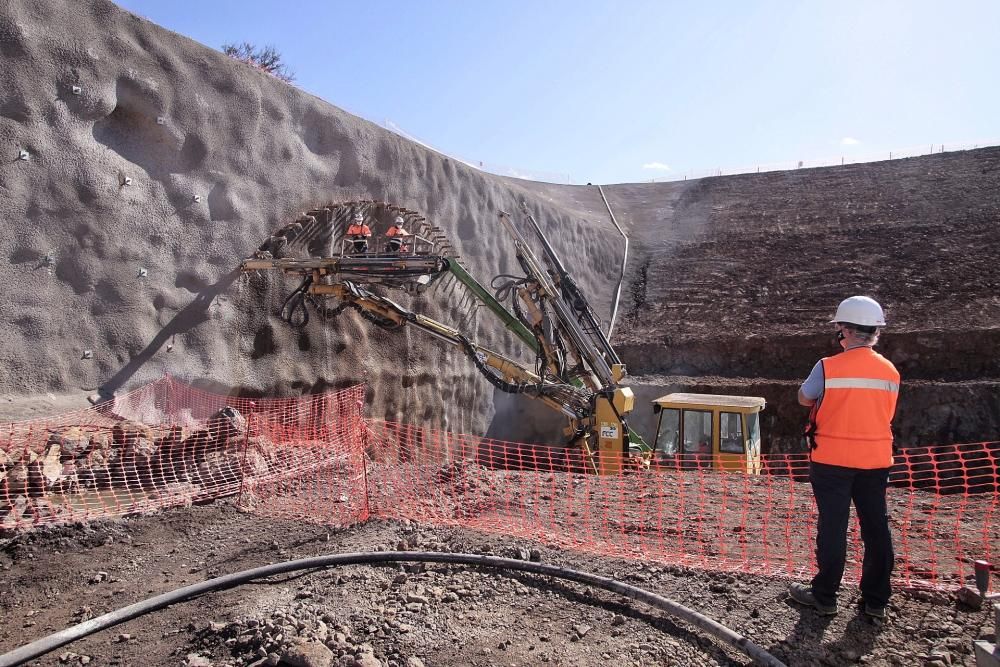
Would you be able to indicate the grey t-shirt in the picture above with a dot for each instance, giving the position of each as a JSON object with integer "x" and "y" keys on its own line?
{"x": 813, "y": 387}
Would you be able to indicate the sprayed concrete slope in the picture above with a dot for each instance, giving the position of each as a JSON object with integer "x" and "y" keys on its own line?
{"x": 219, "y": 156}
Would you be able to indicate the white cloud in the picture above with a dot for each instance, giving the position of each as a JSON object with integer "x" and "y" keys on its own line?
{"x": 659, "y": 166}
{"x": 849, "y": 141}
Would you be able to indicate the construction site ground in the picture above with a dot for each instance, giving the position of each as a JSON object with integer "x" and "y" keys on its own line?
{"x": 438, "y": 615}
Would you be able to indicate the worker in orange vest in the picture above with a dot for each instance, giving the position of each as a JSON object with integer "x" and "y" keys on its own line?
{"x": 395, "y": 234}
{"x": 358, "y": 233}
{"x": 852, "y": 396}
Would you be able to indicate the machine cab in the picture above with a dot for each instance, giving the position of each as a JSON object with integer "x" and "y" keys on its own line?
{"x": 706, "y": 430}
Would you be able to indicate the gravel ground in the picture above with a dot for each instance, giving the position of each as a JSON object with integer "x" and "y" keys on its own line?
{"x": 434, "y": 615}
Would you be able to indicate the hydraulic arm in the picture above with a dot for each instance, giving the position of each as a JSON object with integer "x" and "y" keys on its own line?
{"x": 576, "y": 349}
{"x": 577, "y": 372}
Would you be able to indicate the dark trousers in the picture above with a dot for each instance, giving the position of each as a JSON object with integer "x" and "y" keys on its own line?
{"x": 834, "y": 488}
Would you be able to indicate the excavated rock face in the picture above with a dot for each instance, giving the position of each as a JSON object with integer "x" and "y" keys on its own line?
{"x": 153, "y": 165}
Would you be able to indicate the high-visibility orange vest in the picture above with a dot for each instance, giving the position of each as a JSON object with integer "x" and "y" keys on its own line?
{"x": 358, "y": 230}
{"x": 853, "y": 419}
{"x": 394, "y": 230}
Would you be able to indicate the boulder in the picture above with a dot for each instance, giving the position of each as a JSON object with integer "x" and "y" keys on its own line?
{"x": 73, "y": 442}
{"x": 226, "y": 425}
{"x": 14, "y": 513}
{"x": 126, "y": 433}
{"x": 52, "y": 468}
{"x": 308, "y": 654}
{"x": 170, "y": 465}
{"x": 100, "y": 440}
{"x": 16, "y": 483}
{"x": 94, "y": 471}
{"x": 135, "y": 466}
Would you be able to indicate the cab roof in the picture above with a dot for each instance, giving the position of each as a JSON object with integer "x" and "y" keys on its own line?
{"x": 680, "y": 400}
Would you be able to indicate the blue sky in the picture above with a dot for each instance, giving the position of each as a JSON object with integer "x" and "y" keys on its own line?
{"x": 621, "y": 91}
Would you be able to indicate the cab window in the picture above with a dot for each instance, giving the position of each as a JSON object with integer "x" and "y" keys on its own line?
{"x": 670, "y": 426}
{"x": 731, "y": 433}
{"x": 697, "y": 432}
{"x": 753, "y": 426}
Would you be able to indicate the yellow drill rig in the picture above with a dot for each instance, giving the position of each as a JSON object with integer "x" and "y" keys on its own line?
{"x": 576, "y": 372}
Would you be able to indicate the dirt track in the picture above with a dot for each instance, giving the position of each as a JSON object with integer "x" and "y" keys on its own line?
{"x": 443, "y": 616}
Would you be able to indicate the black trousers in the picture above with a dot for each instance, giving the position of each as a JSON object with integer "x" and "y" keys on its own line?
{"x": 834, "y": 488}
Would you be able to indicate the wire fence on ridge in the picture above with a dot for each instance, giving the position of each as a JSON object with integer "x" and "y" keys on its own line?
{"x": 665, "y": 174}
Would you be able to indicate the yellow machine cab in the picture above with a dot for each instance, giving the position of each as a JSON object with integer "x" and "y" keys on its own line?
{"x": 708, "y": 430}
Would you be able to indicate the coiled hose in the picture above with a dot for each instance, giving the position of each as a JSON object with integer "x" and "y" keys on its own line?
{"x": 44, "y": 645}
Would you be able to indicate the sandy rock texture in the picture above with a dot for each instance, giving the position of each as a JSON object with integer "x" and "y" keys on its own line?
{"x": 153, "y": 165}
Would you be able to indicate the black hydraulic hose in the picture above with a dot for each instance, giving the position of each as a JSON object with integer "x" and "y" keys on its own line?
{"x": 44, "y": 645}
{"x": 296, "y": 303}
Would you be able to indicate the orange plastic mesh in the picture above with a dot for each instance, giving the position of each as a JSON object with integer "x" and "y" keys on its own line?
{"x": 167, "y": 444}
{"x": 315, "y": 458}
{"x": 942, "y": 504}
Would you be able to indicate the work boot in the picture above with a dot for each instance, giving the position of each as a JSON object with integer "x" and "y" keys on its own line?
{"x": 875, "y": 611}
{"x": 803, "y": 594}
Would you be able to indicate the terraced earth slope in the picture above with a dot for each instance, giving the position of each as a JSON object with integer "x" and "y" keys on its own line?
{"x": 733, "y": 280}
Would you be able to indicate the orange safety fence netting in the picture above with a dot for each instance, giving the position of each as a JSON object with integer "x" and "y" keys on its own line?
{"x": 942, "y": 504}
{"x": 166, "y": 444}
{"x": 315, "y": 458}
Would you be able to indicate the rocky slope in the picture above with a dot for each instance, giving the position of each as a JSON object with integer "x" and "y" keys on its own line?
{"x": 732, "y": 281}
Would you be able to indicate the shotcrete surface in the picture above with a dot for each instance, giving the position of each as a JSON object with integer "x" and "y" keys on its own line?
{"x": 218, "y": 155}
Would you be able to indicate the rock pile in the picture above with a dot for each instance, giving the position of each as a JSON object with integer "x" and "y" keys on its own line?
{"x": 81, "y": 468}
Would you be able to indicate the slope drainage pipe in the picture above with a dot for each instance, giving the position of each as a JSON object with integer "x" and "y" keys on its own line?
{"x": 50, "y": 643}
{"x": 621, "y": 278}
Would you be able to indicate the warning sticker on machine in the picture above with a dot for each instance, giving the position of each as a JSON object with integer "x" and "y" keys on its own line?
{"x": 609, "y": 430}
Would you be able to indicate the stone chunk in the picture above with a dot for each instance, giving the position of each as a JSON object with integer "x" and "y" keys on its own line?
{"x": 308, "y": 654}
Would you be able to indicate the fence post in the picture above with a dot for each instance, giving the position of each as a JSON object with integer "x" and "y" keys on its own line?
{"x": 244, "y": 464}
{"x": 361, "y": 445}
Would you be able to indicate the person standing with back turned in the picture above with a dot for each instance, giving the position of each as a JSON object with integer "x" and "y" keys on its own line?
{"x": 853, "y": 399}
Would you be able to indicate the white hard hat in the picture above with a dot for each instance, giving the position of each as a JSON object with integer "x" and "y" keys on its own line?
{"x": 861, "y": 310}
{"x": 399, "y": 220}
{"x": 359, "y": 216}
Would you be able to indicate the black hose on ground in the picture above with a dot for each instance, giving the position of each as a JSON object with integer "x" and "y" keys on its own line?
{"x": 44, "y": 645}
